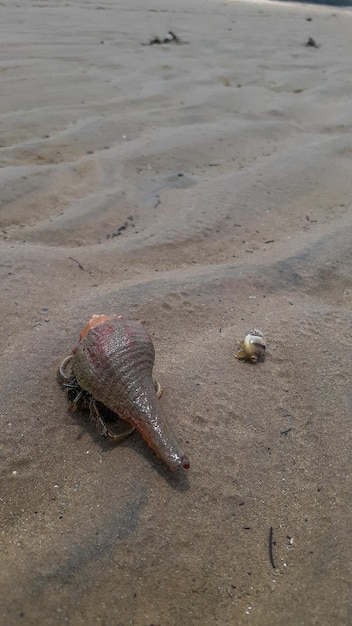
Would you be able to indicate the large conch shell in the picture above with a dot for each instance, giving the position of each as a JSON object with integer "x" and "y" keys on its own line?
{"x": 113, "y": 362}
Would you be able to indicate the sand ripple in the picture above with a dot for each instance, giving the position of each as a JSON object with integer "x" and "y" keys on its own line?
{"x": 204, "y": 188}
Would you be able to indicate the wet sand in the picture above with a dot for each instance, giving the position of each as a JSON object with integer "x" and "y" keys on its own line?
{"x": 205, "y": 188}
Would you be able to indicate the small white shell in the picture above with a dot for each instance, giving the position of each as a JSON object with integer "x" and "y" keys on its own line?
{"x": 252, "y": 347}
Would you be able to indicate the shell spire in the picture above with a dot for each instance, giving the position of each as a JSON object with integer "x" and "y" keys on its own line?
{"x": 113, "y": 361}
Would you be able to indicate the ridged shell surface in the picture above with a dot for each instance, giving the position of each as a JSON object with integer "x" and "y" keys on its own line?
{"x": 113, "y": 361}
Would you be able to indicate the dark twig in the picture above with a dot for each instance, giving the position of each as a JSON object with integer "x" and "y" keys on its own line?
{"x": 285, "y": 432}
{"x": 271, "y": 548}
{"x": 78, "y": 263}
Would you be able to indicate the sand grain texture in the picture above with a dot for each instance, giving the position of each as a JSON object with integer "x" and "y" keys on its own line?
{"x": 204, "y": 188}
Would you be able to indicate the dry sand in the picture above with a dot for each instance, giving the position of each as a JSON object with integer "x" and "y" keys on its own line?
{"x": 228, "y": 160}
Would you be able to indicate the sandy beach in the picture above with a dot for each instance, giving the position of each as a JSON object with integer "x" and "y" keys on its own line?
{"x": 204, "y": 187}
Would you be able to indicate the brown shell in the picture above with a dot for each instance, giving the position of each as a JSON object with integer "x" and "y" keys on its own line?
{"x": 113, "y": 362}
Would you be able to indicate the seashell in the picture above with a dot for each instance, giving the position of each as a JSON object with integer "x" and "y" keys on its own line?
{"x": 252, "y": 347}
{"x": 113, "y": 363}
